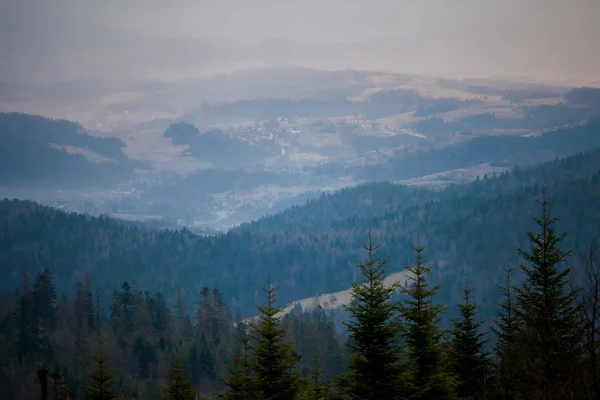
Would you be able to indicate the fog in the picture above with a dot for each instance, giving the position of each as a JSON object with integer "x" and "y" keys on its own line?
{"x": 46, "y": 41}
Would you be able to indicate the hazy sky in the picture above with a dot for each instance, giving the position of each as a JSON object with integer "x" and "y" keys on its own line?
{"x": 49, "y": 40}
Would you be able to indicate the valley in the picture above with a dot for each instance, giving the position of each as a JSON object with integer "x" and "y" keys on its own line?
{"x": 228, "y": 162}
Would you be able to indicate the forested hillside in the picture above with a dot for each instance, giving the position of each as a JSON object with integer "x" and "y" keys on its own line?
{"x": 40, "y": 328}
{"x": 500, "y": 150}
{"x": 469, "y": 230}
{"x": 219, "y": 148}
{"x": 544, "y": 343}
{"x": 58, "y": 153}
{"x": 377, "y": 199}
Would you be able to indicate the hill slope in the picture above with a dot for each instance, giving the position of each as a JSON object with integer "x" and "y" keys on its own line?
{"x": 57, "y": 153}
{"x": 501, "y": 150}
{"x": 469, "y": 231}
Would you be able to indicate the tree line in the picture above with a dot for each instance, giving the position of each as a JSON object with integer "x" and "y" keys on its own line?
{"x": 473, "y": 227}
{"x": 544, "y": 343}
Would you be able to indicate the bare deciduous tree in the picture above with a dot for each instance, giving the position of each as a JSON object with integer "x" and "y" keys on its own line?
{"x": 590, "y": 313}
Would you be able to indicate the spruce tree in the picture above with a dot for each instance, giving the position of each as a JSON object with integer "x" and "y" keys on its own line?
{"x": 506, "y": 329}
{"x": 327, "y": 346}
{"x": 240, "y": 381}
{"x": 550, "y": 330}
{"x": 98, "y": 311}
{"x": 102, "y": 377}
{"x": 425, "y": 377}
{"x": 44, "y": 299}
{"x": 274, "y": 364}
{"x": 181, "y": 316}
{"x": 469, "y": 358}
{"x": 317, "y": 388}
{"x": 161, "y": 315}
{"x": 59, "y": 388}
{"x": 115, "y": 311}
{"x": 89, "y": 302}
{"x": 126, "y": 307}
{"x": 178, "y": 385}
{"x": 25, "y": 343}
{"x": 373, "y": 333}
{"x": 29, "y": 334}
{"x": 81, "y": 317}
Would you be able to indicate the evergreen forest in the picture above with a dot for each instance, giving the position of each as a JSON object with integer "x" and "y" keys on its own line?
{"x": 500, "y": 297}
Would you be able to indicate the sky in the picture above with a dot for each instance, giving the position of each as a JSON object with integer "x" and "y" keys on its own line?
{"x": 54, "y": 40}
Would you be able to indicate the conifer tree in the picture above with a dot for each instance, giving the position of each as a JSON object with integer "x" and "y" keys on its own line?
{"x": 101, "y": 376}
{"x": 114, "y": 310}
{"x": 425, "y": 377}
{"x": 550, "y": 328}
{"x": 25, "y": 287}
{"x": 240, "y": 381}
{"x": 34, "y": 317}
{"x": 469, "y": 358}
{"x": 373, "y": 332}
{"x": 89, "y": 301}
{"x": 25, "y": 338}
{"x": 328, "y": 345}
{"x": 59, "y": 387}
{"x": 97, "y": 310}
{"x": 274, "y": 364}
{"x": 178, "y": 385}
{"x": 81, "y": 316}
{"x": 506, "y": 329}
{"x": 161, "y": 315}
{"x": 139, "y": 315}
{"x": 44, "y": 299}
{"x": 181, "y": 315}
{"x": 126, "y": 307}
{"x": 317, "y": 388}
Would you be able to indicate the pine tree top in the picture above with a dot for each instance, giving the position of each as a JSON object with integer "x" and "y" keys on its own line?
{"x": 468, "y": 338}
{"x": 417, "y": 308}
{"x": 422, "y": 335}
{"x": 418, "y": 294}
{"x": 240, "y": 381}
{"x": 178, "y": 385}
{"x": 548, "y": 312}
{"x": 374, "y": 332}
{"x": 507, "y": 323}
{"x": 274, "y": 363}
{"x": 101, "y": 376}
{"x": 545, "y": 293}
